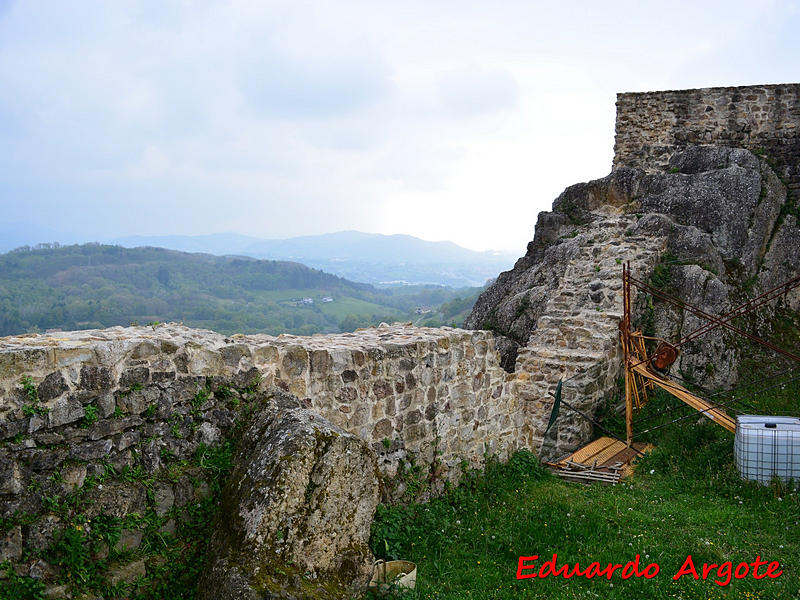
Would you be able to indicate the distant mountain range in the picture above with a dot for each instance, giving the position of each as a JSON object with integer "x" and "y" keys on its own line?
{"x": 365, "y": 257}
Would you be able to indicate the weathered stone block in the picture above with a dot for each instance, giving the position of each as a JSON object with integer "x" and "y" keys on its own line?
{"x": 135, "y": 376}
{"x": 11, "y": 544}
{"x": 233, "y": 354}
{"x": 106, "y": 405}
{"x": 64, "y": 410}
{"x": 162, "y": 376}
{"x": 163, "y": 498}
{"x": 118, "y": 499}
{"x": 52, "y": 386}
{"x": 296, "y": 510}
{"x": 40, "y": 535}
{"x": 91, "y": 450}
{"x": 127, "y": 573}
{"x": 383, "y": 429}
{"x": 208, "y": 434}
{"x": 136, "y": 402}
{"x": 95, "y": 378}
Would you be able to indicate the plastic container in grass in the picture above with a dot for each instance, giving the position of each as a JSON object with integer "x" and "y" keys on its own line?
{"x": 392, "y": 577}
{"x": 768, "y": 447}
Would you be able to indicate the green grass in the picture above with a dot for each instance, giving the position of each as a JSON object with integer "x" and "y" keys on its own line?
{"x": 686, "y": 498}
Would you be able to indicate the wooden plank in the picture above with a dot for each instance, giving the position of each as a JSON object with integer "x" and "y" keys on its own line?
{"x": 589, "y": 476}
{"x": 614, "y": 449}
{"x": 593, "y": 475}
{"x": 715, "y": 414}
{"x": 628, "y": 407}
{"x": 588, "y": 452}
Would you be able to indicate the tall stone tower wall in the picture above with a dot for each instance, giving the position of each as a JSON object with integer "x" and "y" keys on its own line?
{"x": 764, "y": 119}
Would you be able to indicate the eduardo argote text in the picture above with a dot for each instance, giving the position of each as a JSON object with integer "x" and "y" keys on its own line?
{"x": 528, "y": 567}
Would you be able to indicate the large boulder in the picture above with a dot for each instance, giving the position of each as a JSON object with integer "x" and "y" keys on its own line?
{"x": 296, "y": 511}
{"x": 722, "y": 216}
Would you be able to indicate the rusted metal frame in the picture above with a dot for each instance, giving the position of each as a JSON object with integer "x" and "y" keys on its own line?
{"x": 694, "y": 413}
{"x": 681, "y": 392}
{"x": 642, "y": 351}
{"x": 745, "y": 308}
{"x": 718, "y": 416}
{"x": 701, "y": 313}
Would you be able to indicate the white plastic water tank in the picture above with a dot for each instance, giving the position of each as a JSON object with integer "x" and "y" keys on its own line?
{"x": 767, "y": 447}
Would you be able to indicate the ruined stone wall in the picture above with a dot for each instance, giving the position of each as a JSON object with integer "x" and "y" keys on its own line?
{"x": 113, "y": 419}
{"x": 764, "y": 119}
{"x": 438, "y": 394}
{"x": 124, "y": 395}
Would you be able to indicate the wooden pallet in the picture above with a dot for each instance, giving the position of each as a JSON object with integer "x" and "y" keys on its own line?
{"x": 604, "y": 460}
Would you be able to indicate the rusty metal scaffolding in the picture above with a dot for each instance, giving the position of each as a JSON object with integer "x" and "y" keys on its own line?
{"x": 643, "y": 371}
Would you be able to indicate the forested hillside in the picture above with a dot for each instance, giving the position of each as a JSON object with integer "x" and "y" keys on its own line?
{"x": 93, "y": 286}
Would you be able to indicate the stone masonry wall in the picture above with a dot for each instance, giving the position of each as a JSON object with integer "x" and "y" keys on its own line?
{"x": 764, "y": 119}
{"x": 114, "y": 418}
{"x": 437, "y": 394}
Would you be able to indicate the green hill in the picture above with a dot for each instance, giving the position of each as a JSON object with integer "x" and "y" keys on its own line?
{"x": 94, "y": 286}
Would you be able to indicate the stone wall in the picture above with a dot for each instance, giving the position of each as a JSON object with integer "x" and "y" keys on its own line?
{"x": 112, "y": 420}
{"x": 764, "y": 119}
{"x": 438, "y": 395}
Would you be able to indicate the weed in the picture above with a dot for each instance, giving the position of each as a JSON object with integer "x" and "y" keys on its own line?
{"x": 252, "y": 386}
{"x": 523, "y": 306}
{"x": 14, "y": 587}
{"x": 201, "y": 397}
{"x": 90, "y": 416}
{"x": 175, "y": 426}
{"x": 134, "y": 473}
{"x": 411, "y": 475}
{"x": 661, "y": 276}
{"x": 32, "y": 407}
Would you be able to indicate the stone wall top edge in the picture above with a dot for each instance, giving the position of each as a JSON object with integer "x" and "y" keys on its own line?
{"x": 398, "y": 333}
{"x": 711, "y": 90}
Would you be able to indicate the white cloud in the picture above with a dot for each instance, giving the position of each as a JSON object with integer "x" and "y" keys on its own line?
{"x": 446, "y": 120}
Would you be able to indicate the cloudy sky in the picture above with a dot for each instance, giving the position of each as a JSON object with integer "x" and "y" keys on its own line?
{"x": 448, "y": 120}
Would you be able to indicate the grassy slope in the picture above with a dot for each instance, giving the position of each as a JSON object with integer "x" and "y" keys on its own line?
{"x": 686, "y": 498}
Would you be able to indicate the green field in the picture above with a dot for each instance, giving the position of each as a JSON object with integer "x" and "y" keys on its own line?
{"x": 686, "y": 498}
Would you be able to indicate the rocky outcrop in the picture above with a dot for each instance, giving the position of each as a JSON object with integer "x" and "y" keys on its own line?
{"x": 296, "y": 511}
{"x": 714, "y": 222}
